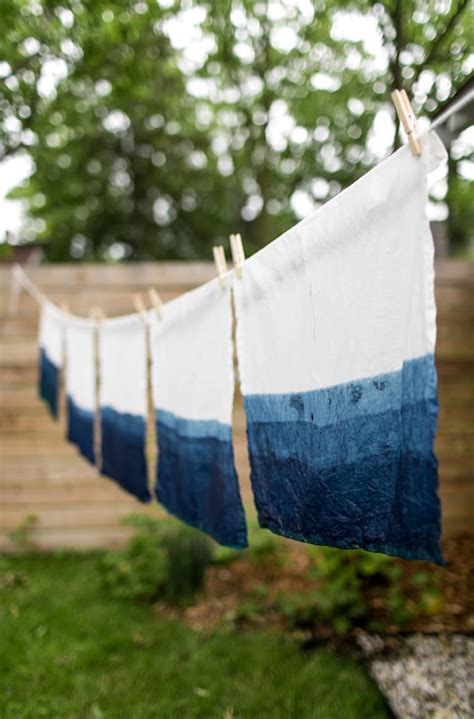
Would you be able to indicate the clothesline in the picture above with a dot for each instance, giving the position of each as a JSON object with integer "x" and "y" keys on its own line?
{"x": 23, "y": 281}
{"x": 454, "y": 107}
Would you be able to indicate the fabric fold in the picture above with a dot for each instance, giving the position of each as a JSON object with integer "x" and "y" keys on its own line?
{"x": 123, "y": 403}
{"x": 51, "y": 355}
{"x": 193, "y": 387}
{"x": 336, "y": 336}
{"x": 81, "y": 386}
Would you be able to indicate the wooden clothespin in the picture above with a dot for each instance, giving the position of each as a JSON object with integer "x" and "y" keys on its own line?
{"x": 156, "y": 301}
{"x": 238, "y": 255}
{"x": 407, "y": 118}
{"x": 139, "y": 305}
{"x": 220, "y": 262}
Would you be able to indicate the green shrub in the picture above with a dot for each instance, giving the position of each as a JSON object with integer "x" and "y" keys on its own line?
{"x": 357, "y": 588}
{"x": 163, "y": 560}
{"x": 264, "y": 545}
{"x": 189, "y": 553}
{"x": 335, "y": 607}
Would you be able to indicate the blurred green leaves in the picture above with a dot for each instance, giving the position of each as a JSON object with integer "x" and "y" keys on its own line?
{"x": 156, "y": 128}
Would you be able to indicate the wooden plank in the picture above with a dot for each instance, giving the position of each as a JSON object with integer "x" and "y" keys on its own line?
{"x": 454, "y": 272}
{"x": 77, "y": 538}
{"x": 80, "y": 515}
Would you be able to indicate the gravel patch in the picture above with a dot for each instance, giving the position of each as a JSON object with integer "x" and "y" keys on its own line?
{"x": 424, "y": 676}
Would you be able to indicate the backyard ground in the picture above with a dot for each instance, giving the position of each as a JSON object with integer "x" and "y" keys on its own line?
{"x": 69, "y": 649}
{"x": 172, "y": 625}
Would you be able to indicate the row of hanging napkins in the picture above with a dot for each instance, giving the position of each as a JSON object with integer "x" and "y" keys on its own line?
{"x": 335, "y": 339}
{"x": 193, "y": 381}
{"x": 193, "y": 386}
{"x": 336, "y": 333}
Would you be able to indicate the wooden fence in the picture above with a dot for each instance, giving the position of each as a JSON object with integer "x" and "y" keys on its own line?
{"x": 42, "y": 476}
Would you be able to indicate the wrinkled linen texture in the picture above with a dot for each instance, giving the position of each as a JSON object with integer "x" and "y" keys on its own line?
{"x": 193, "y": 387}
{"x": 81, "y": 385}
{"x": 336, "y": 337}
{"x": 123, "y": 403}
{"x": 51, "y": 355}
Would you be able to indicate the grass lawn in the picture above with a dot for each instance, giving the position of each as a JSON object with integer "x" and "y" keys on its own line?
{"x": 69, "y": 650}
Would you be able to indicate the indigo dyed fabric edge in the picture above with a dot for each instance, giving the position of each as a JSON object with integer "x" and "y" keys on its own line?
{"x": 48, "y": 385}
{"x": 196, "y": 477}
{"x": 80, "y": 429}
{"x": 123, "y": 451}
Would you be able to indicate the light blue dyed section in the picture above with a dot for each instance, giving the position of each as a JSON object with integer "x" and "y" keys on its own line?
{"x": 195, "y": 428}
{"x": 373, "y": 395}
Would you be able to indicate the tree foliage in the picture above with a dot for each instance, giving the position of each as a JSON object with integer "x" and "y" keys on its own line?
{"x": 157, "y": 127}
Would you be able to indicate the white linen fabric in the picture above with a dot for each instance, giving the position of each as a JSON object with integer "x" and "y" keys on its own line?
{"x": 336, "y": 334}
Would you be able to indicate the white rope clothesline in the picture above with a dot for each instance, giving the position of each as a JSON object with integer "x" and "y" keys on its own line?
{"x": 457, "y": 105}
{"x": 22, "y": 281}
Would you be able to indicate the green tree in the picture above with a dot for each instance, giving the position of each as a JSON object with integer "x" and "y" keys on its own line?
{"x": 131, "y": 156}
{"x": 158, "y": 141}
{"x": 294, "y": 109}
{"x": 118, "y": 152}
{"x": 429, "y": 45}
{"x": 29, "y": 46}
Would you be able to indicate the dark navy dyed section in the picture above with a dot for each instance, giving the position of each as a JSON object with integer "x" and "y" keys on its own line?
{"x": 123, "y": 451}
{"x": 49, "y": 382}
{"x": 80, "y": 429}
{"x": 196, "y": 479}
{"x": 352, "y": 465}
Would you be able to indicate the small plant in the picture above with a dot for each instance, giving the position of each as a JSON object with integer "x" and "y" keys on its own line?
{"x": 137, "y": 572}
{"x": 357, "y": 588}
{"x": 264, "y": 545}
{"x": 11, "y": 579}
{"x": 20, "y": 537}
{"x": 330, "y": 606}
{"x": 162, "y": 561}
{"x": 189, "y": 553}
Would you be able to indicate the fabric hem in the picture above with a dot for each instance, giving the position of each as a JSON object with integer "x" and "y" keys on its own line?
{"x": 389, "y": 549}
{"x": 239, "y": 546}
